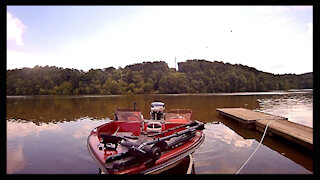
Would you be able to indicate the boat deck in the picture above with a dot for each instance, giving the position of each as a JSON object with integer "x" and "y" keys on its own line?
{"x": 297, "y": 133}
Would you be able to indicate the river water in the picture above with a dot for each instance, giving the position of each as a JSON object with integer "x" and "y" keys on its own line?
{"x": 47, "y": 134}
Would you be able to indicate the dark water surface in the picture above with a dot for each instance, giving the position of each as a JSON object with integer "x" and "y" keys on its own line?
{"x": 47, "y": 134}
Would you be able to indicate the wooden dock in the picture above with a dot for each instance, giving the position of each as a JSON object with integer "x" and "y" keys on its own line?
{"x": 294, "y": 132}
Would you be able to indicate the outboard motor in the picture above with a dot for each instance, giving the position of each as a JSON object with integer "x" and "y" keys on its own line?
{"x": 157, "y": 115}
{"x": 157, "y": 111}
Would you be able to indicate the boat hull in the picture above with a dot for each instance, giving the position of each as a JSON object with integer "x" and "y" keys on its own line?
{"x": 168, "y": 159}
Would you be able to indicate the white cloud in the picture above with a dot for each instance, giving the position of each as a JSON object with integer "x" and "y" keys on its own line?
{"x": 19, "y": 59}
{"x": 263, "y": 37}
{"x": 15, "y": 28}
{"x": 302, "y": 8}
{"x": 310, "y": 28}
{"x": 163, "y": 33}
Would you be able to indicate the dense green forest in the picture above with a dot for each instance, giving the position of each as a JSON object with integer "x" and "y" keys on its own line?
{"x": 193, "y": 76}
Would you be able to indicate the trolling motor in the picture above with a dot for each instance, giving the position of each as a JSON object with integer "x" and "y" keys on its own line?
{"x": 146, "y": 152}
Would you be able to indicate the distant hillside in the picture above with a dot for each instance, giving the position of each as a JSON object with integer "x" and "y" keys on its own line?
{"x": 206, "y": 76}
{"x": 193, "y": 76}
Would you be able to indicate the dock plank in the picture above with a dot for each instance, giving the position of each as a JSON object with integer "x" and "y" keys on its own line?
{"x": 297, "y": 133}
{"x": 247, "y": 115}
{"x": 294, "y": 132}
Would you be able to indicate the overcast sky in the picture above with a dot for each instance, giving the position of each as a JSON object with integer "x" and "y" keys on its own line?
{"x": 276, "y": 39}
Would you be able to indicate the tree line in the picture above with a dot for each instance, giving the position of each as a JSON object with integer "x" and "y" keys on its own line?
{"x": 192, "y": 76}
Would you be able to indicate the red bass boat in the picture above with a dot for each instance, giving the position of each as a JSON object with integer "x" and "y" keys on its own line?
{"x": 132, "y": 145}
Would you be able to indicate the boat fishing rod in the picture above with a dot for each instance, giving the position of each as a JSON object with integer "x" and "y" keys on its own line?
{"x": 195, "y": 126}
{"x": 150, "y": 151}
{"x": 157, "y": 142}
{"x": 174, "y": 128}
{"x": 191, "y": 127}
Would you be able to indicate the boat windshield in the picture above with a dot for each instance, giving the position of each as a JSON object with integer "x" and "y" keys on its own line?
{"x": 179, "y": 114}
{"x": 128, "y": 115}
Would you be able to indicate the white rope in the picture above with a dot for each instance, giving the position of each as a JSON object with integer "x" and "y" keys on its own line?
{"x": 189, "y": 171}
{"x": 265, "y": 130}
{"x": 116, "y": 131}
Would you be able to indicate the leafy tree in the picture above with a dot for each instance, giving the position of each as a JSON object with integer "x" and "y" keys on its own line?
{"x": 173, "y": 83}
{"x": 194, "y": 76}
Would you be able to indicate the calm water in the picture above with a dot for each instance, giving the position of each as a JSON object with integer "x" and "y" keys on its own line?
{"x": 47, "y": 134}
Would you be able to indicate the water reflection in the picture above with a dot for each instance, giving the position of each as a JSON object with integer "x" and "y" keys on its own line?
{"x": 224, "y": 152}
{"x": 47, "y": 134}
{"x": 296, "y": 107}
{"x": 68, "y": 108}
{"x": 15, "y": 158}
{"x": 49, "y": 148}
{"x": 227, "y": 135}
{"x": 23, "y": 128}
{"x": 300, "y": 156}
